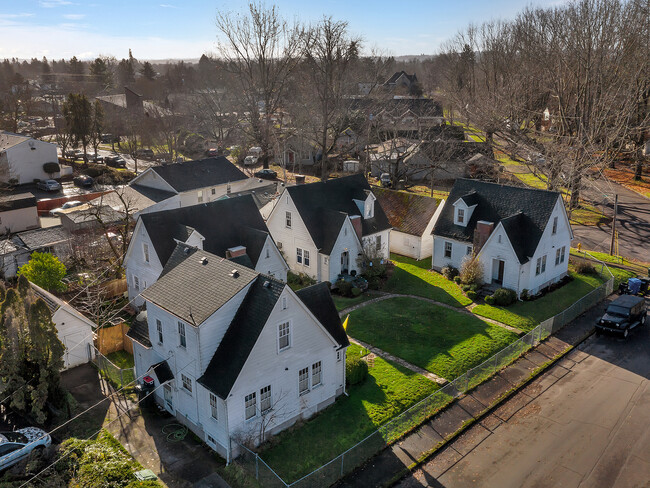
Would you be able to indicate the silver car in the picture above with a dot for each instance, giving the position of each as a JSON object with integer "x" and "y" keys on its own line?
{"x": 49, "y": 185}
{"x": 18, "y": 445}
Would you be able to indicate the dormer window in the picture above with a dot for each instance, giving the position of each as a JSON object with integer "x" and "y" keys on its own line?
{"x": 460, "y": 215}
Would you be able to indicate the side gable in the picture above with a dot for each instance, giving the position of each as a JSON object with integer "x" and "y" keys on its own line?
{"x": 150, "y": 179}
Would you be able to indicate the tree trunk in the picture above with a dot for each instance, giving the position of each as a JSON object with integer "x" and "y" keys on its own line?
{"x": 638, "y": 168}
{"x": 574, "y": 188}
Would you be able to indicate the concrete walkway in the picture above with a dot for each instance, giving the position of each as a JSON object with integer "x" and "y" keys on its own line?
{"x": 480, "y": 406}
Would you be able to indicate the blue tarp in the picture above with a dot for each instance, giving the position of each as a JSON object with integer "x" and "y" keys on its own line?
{"x": 634, "y": 285}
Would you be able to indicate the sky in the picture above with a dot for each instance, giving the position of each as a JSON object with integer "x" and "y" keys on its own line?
{"x": 185, "y": 29}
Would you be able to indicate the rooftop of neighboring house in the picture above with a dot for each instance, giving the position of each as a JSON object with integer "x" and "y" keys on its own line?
{"x": 524, "y": 213}
{"x": 393, "y": 79}
{"x": 9, "y": 139}
{"x": 33, "y": 240}
{"x": 90, "y": 213}
{"x": 324, "y": 206}
{"x": 202, "y": 173}
{"x": 17, "y": 201}
{"x": 223, "y": 223}
{"x": 407, "y": 212}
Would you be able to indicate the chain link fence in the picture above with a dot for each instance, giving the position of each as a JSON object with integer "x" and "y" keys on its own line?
{"x": 395, "y": 428}
{"x": 118, "y": 377}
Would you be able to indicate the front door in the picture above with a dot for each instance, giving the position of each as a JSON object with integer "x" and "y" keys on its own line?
{"x": 345, "y": 262}
{"x": 169, "y": 403}
{"x": 497, "y": 271}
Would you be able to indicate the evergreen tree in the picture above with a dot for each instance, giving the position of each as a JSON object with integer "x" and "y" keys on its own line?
{"x": 44, "y": 270}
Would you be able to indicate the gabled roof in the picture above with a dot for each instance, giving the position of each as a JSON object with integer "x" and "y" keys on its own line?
{"x": 524, "y": 213}
{"x": 224, "y": 224}
{"x": 9, "y": 139}
{"x": 318, "y": 300}
{"x": 393, "y": 79}
{"x": 241, "y": 336}
{"x": 407, "y": 212}
{"x": 193, "y": 175}
{"x": 197, "y": 286}
{"x": 139, "y": 332}
{"x": 324, "y": 205}
{"x": 47, "y": 236}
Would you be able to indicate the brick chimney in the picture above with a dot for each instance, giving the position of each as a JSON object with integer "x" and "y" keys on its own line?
{"x": 236, "y": 251}
{"x": 481, "y": 234}
{"x": 356, "y": 223}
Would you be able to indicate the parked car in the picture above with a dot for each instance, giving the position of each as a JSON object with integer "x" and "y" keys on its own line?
{"x": 96, "y": 158}
{"x": 18, "y": 445}
{"x": 49, "y": 185}
{"x": 83, "y": 181}
{"x": 69, "y": 153}
{"x": 109, "y": 138}
{"x": 250, "y": 160}
{"x": 385, "y": 180}
{"x": 145, "y": 153}
{"x": 71, "y": 204}
{"x": 267, "y": 174}
{"x": 115, "y": 161}
{"x": 622, "y": 315}
{"x": 212, "y": 152}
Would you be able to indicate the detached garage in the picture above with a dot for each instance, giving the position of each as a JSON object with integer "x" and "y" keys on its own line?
{"x": 75, "y": 331}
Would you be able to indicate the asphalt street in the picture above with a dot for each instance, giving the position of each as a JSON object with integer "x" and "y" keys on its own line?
{"x": 633, "y": 222}
{"x": 590, "y": 428}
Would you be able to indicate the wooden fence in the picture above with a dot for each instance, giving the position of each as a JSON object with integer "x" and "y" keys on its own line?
{"x": 111, "y": 339}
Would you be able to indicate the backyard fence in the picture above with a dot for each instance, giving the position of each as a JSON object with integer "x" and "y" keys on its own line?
{"x": 119, "y": 377}
{"x": 395, "y": 428}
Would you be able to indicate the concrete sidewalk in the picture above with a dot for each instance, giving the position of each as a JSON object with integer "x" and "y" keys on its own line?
{"x": 478, "y": 406}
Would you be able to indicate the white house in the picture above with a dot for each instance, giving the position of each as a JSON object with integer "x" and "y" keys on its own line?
{"x": 18, "y": 213}
{"x": 236, "y": 354}
{"x": 16, "y": 249}
{"x": 188, "y": 183}
{"x": 232, "y": 228}
{"x": 74, "y": 330}
{"x": 412, "y": 218}
{"x": 323, "y": 228}
{"x": 22, "y": 158}
{"x": 522, "y": 236}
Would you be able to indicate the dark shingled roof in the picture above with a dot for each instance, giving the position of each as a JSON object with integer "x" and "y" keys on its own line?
{"x": 193, "y": 290}
{"x": 407, "y": 212}
{"x": 192, "y": 175}
{"x": 139, "y": 332}
{"x": 319, "y": 301}
{"x": 17, "y": 201}
{"x": 241, "y": 336}
{"x": 524, "y": 213}
{"x": 153, "y": 194}
{"x": 47, "y": 236}
{"x": 163, "y": 372}
{"x": 224, "y": 224}
{"x": 323, "y": 207}
{"x": 393, "y": 79}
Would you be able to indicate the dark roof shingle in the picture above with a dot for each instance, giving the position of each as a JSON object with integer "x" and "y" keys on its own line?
{"x": 524, "y": 213}
{"x": 192, "y": 175}
{"x": 319, "y": 301}
{"x": 407, "y": 212}
{"x": 139, "y": 332}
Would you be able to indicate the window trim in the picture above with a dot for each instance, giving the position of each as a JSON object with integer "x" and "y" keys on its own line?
{"x": 317, "y": 370}
{"x": 263, "y": 391}
{"x": 378, "y": 242}
{"x": 214, "y": 409}
{"x": 248, "y": 398}
{"x": 299, "y": 255}
{"x": 199, "y": 196}
{"x": 305, "y": 380}
{"x": 159, "y": 329}
{"x": 554, "y": 229}
{"x": 460, "y": 215}
{"x": 136, "y": 283}
{"x": 185, "y": 381}
{"x": 182, "y": 335}
{"x": 287, "y": 219}
{"x": 448, "y": 254}
{"x": 305, "y": 257}
{"x": 145, "y": 251}
{"x": 282, "y": 336}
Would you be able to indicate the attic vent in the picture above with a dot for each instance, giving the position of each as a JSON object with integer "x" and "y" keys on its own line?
{"x": 267, "y": 284}
{"x": 234, "y": 273}
{"x": 204, "y": 261}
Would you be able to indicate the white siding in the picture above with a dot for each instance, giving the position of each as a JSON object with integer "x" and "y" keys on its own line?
{"x": 458, "y": 252}
{"x": 288, "y": 240}
{"x": 495, "y": 250}
{"x": 370, "y": 241}
{"x": 12, "y": 221}
{"x": 151, "y": 179}
{"x": 406, "y": 244}
{"x": 25, "y": 162}
{"x": 346, "y": 241}
{"x": 274, "y": 264}
{"x": 76, "y": 333}
{"x": 135, "y": 264}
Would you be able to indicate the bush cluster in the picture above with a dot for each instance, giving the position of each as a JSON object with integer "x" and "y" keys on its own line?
{"x": 344, "y": 288}
{"x": 297, "y": 281}
{"x": 356, "y": 370}
{"x": 449, "y": 272}
{"x": 504, "y": 297}
{"x": 584, "y": 267}
{"x": 471, "y": 271}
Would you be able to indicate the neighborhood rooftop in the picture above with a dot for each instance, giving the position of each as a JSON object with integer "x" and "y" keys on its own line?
{"x": 190, "y": 175}
{"x": 524, "y": 213}
{"x": 407, "y": 212}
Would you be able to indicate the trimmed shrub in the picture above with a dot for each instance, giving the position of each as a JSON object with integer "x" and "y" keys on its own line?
{"x": 355, "y": 291}
{"x": 449, "y": 272}
{"x": 457, "y": 280}
{"x": 471, "y": 271}
{"x": 504, "y": 297}
{"x": 524, "y": 294}
{"x": 344, "y": 288}
{"x": 489, "y": 300}
{"x": 584, "y": 267}
{"x": 356, "y": 370}
{"x": 51, "y": 168}
{"x": 465, "y": 288}
{"x": 471, "y": 295}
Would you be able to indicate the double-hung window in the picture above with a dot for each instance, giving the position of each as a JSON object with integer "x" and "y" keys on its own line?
{"x": 543, "y": 263}
{"x": 378, "y": 243}
{"x": 187, "y": 383}
{"x": 303, "y": 381}
{"x": 136, "y": 283}
{"x": 199, "y": 196}
{"x": 562, "y": 254}
{"x": 306, "y": 256}
{"x": 250, "y": 405}
{"x": 181, "y": 335}
{"x": 316, "y": 369}
{"x": 448, "y": 249}
{"x": 287, "y": 219}
{"x": 284, "y": 336}
{"x": 460, "y": 216}
{"x": 213, "y": 406}
{"x": 265, "y": 399}
{"x": 145, "y": 250}
{"x": 554, "y": 225}
{"x": 538, "y": 267}
{"x": 160, "y": 332}
{"x": 298, "y": 255}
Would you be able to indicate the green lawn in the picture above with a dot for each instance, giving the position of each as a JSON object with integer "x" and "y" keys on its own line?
{"x": 388, "y": 390}
{"x": 411, "y": 277}
{"x": 440, "y": 340}
{"x": 344, "y": 302}
{"x": 124, "y": 361}
{"x": 527, "y": 315}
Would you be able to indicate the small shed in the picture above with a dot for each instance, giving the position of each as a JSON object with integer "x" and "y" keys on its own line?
{"x": 351, "y": 166}
{"x": 75, "y": 331}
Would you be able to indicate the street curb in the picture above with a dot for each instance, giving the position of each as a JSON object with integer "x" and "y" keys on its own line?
{"x": 500, "y": 400}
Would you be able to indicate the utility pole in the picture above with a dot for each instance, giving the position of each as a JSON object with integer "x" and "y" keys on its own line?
{"x": 611, "y": 245}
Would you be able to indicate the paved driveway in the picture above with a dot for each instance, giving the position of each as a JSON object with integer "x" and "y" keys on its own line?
{"x": 589, "y": 428}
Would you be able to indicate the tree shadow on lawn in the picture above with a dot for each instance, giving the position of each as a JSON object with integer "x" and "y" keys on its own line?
{"x": 411, "y": 277}
{"x": 442, "y": 341}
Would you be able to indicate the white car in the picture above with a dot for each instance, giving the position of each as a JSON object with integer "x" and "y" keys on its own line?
{"x": 250, "y": 160}
{"x": 56, "y": 211}
{"x": 16, "y": 446}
